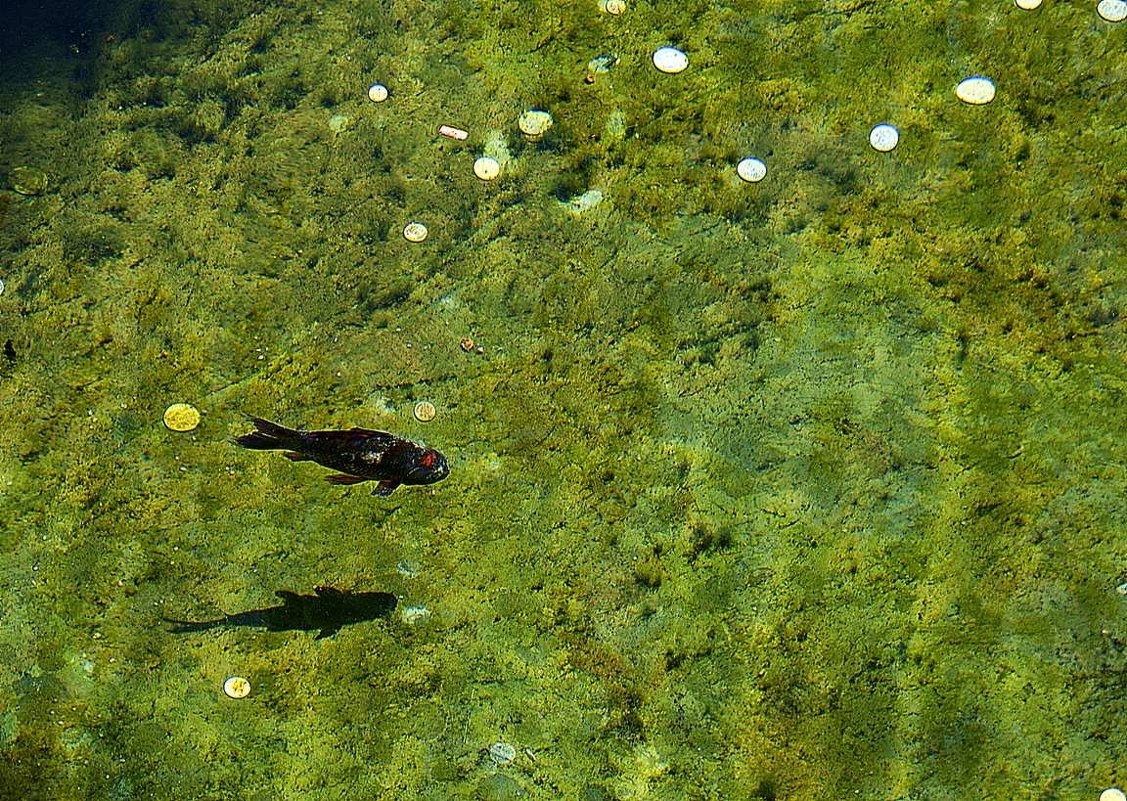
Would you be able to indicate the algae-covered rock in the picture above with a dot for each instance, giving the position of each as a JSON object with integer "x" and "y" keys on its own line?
{"x": 29, "y": 181}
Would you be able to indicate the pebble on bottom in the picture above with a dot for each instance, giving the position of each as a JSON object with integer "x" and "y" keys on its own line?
{"x": 502, "y": 753}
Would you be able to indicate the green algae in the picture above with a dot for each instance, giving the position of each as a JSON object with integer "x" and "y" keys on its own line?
{"x": 807, "y": 488}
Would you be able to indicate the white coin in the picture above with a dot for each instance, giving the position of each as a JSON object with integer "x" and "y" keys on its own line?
{"x": 884, "y": 137}
{"x": 1112, "y": 10}
{"x": 977, "y": 90}
{"x": 377, "y": 93}
{"x": 1027, "y": 5}
{"x": 670, "y": 60}
{"x": 486, "y": 168}
{"x": 236, "y": 687}
{"x": 751, "y": 170}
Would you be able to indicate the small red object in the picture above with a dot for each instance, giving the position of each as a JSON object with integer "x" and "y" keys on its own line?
{"x": 450, "y": 132}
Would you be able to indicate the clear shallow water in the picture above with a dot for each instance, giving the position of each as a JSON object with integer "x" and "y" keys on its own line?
{"x": 808, "y": 487}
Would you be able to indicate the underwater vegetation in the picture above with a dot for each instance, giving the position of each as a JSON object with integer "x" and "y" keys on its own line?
{"x": 811, "y": 486}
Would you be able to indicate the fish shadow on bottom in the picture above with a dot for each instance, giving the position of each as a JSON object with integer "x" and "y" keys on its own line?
{"x": 325, "y": 612}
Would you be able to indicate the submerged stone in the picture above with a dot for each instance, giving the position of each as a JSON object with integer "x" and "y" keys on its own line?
{"x": 503, "y": 753}
{"x": 601, "y": 63}
{"x": 29, "y": 181}
{"x": 584, "y": 202}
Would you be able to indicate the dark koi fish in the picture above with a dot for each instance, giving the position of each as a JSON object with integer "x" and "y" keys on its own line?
{"x": 358, "y": 453}
{"x": 324, "y": 612}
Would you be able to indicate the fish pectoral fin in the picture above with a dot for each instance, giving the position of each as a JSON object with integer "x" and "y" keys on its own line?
{"x": 328, "y": 631}
{"x": 385, "y": 488}
{"x": 344, "y": 478}
{"x": 294, "y": 456}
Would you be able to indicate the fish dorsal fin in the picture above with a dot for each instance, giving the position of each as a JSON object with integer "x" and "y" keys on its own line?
{"x": 325, "y": 591}
{"x": 367, "y": 432}
{"x": 287, "y": 596}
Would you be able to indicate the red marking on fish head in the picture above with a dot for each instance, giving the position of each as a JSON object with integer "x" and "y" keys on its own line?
{"x": 430, "y": 458}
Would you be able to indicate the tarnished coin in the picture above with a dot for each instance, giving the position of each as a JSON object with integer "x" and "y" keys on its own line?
{"x": 415, "y": 232}
{"x": 425, "y": 411}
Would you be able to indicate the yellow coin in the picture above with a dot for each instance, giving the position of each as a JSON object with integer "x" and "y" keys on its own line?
{"x": 425, "y": 411}
{"x": 181, "y": 417}
{"x": 237, "y": 687}
{"x": 415, "y": 232}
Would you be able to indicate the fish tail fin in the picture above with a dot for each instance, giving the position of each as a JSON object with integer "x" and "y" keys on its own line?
{"x": 186, "y": 626}
{"x": 269, "y": 436}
